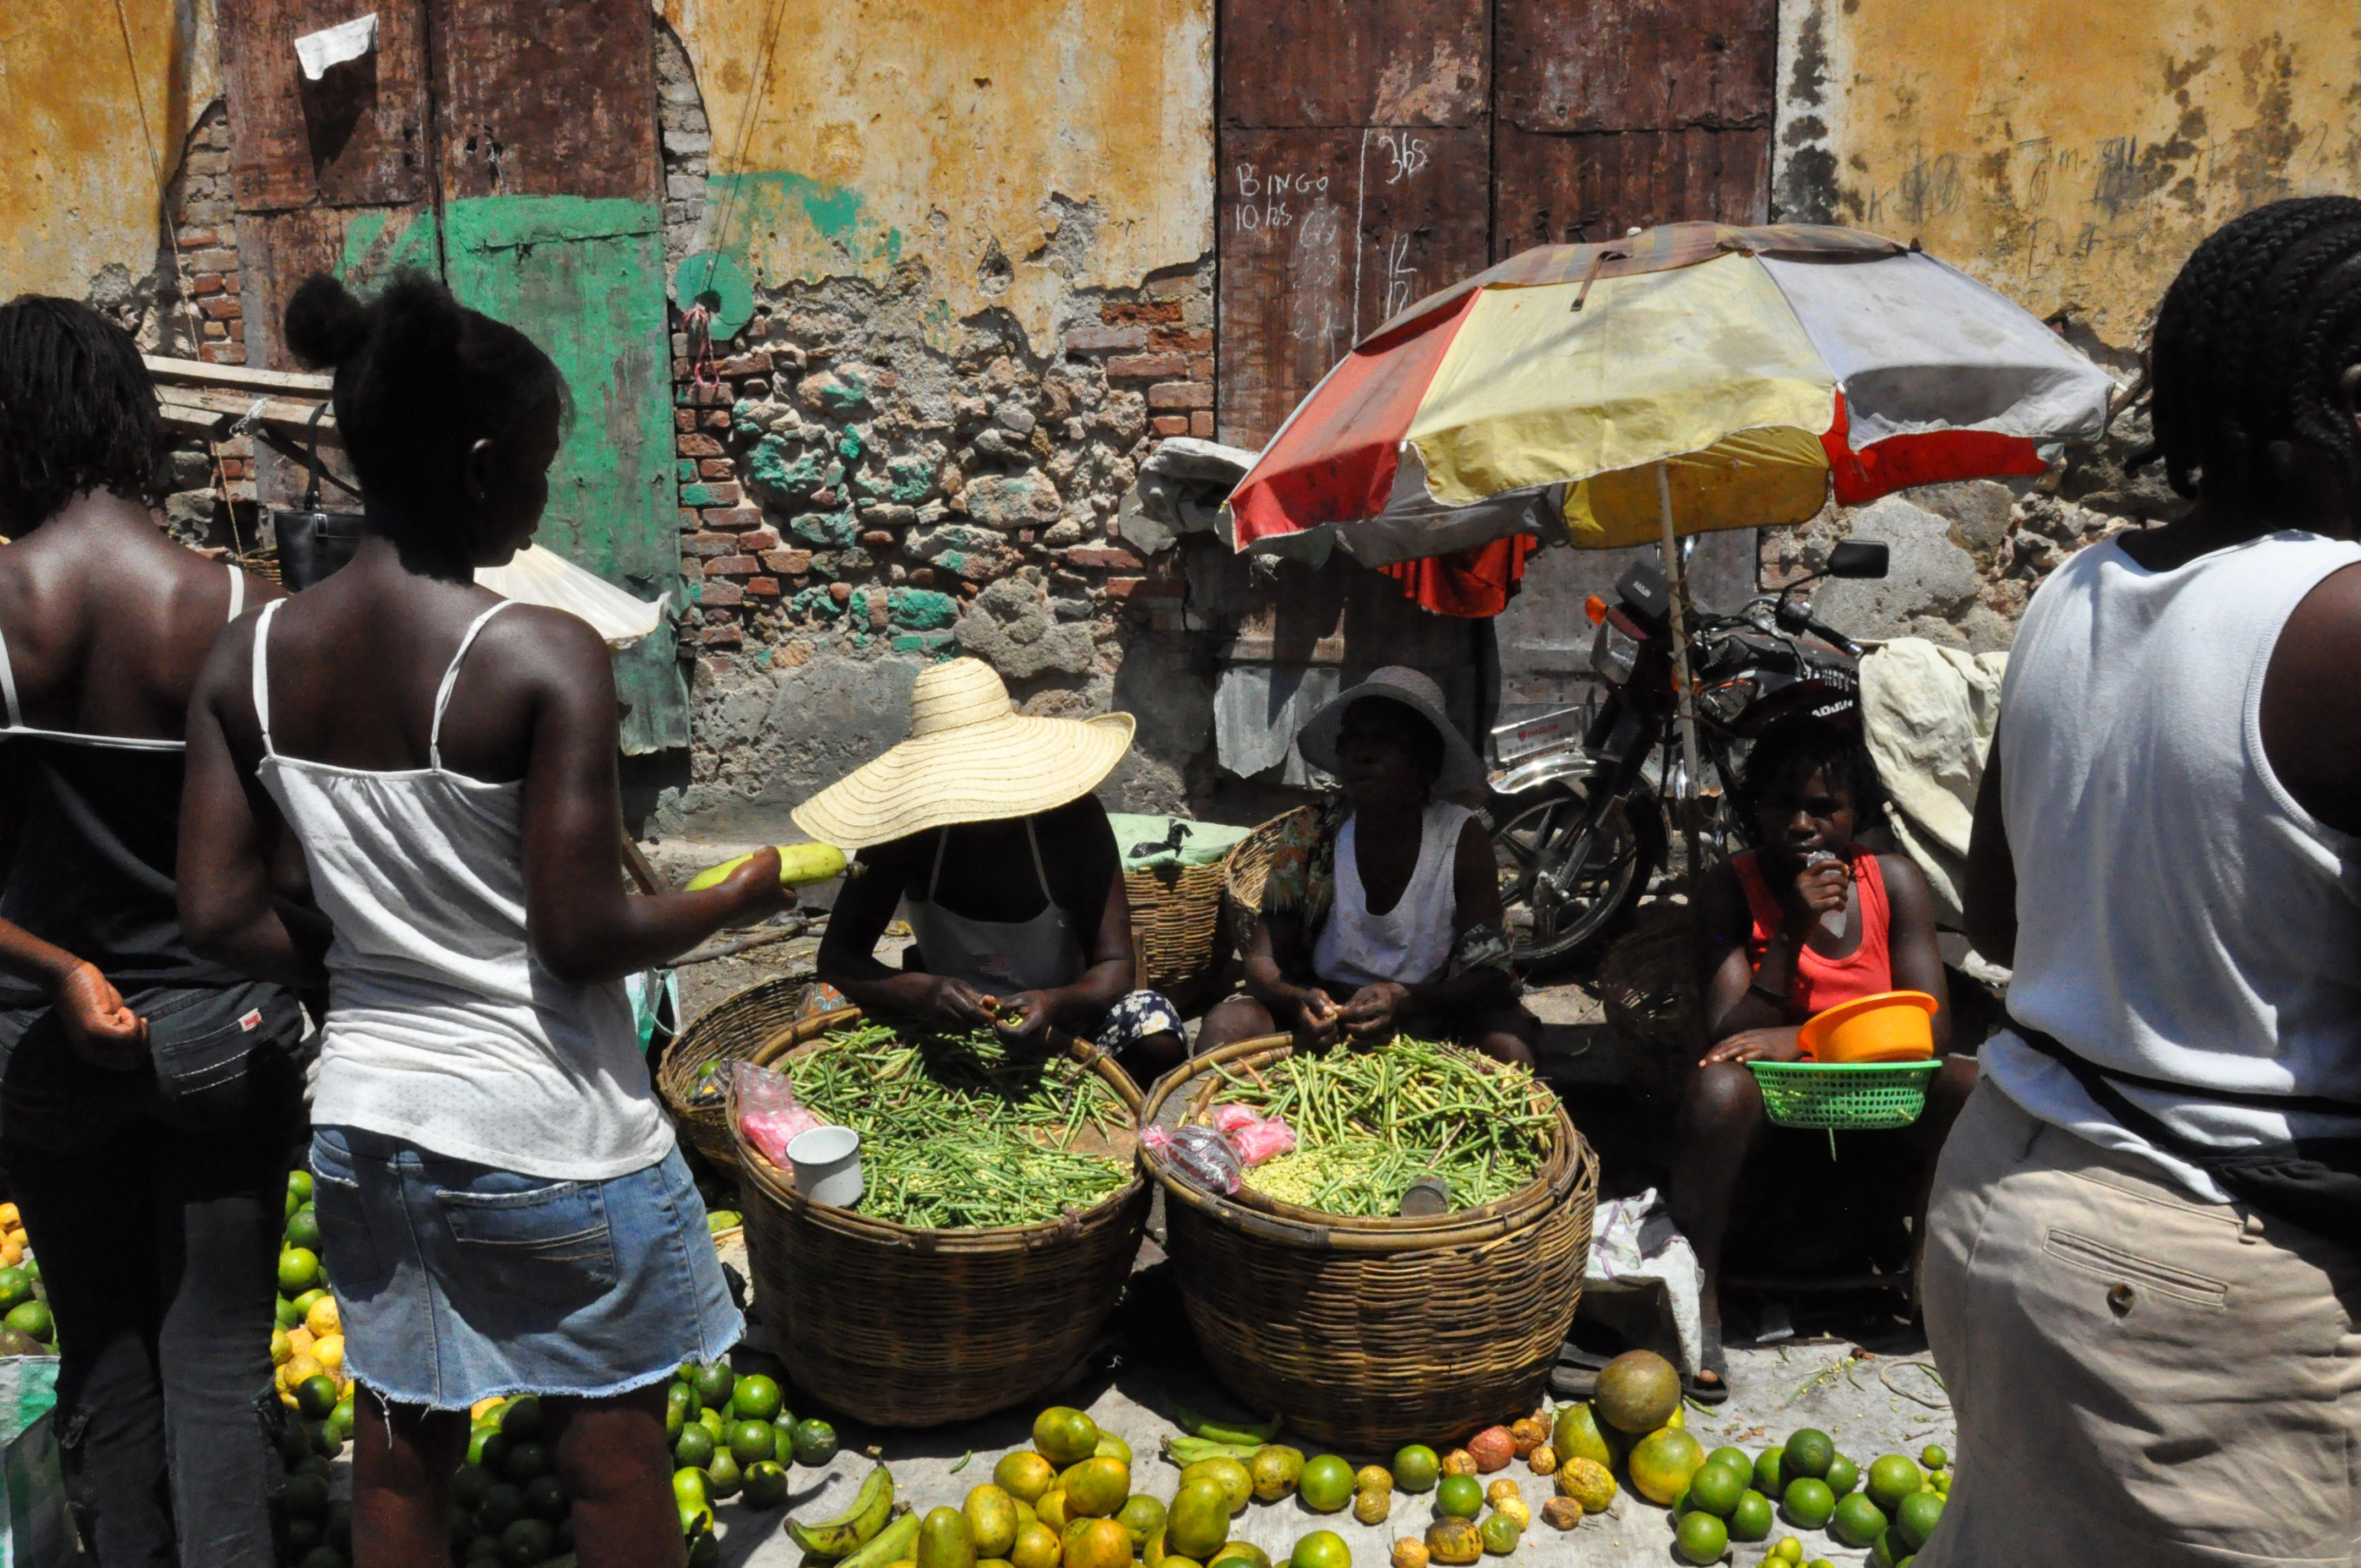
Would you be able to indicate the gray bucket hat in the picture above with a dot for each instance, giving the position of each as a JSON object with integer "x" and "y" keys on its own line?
{"x": 1415, "y": 691}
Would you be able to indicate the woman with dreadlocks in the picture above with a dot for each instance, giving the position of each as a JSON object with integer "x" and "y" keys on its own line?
{"x": 2141, "y": 1263}
{"x": 149, "y": 1100}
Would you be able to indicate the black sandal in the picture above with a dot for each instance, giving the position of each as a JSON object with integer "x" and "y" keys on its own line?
{"x": 1575, "y": 1374}
{"x": 1711, "y": 1358}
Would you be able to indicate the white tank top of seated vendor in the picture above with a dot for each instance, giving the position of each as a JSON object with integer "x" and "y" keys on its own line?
{"x": 1410, "y": 943}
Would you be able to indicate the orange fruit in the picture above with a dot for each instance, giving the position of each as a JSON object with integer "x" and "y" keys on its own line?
{"x": 1098, "y": 1543}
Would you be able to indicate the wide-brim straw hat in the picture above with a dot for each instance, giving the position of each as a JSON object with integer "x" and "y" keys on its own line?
{"x": 971, "y": 757}
{"x": 1414, "y": 690}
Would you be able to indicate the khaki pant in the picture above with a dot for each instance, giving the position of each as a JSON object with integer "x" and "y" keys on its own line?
{"x": 2139, "y": 1378}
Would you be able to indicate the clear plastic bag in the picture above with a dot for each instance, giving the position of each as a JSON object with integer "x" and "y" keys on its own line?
{"x": 767, "y": 1111}
{"x": 1201, "y": 1156}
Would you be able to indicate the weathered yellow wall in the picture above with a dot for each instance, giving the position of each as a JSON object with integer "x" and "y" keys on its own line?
{"x": 889, "y": 129}
{"x": 2070, "y": 152}
{"x": 79, "y": 186}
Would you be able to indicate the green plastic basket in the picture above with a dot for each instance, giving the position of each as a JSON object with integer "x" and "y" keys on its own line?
{"x": 1860, "y": 1096}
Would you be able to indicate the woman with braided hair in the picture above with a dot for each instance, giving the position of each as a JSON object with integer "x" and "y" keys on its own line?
{"x": 2144, "y": 1248}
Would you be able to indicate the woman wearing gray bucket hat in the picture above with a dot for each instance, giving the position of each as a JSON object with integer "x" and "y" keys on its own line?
{"x": 1381, "y": 915}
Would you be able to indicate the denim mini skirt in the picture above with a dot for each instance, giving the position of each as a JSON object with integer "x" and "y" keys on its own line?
{"x": 457, "y": 1282}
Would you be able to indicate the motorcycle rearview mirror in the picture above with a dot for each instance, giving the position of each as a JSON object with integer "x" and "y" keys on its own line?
{"x": 1644, "y": 589}
{"x": 1858, "y": 558}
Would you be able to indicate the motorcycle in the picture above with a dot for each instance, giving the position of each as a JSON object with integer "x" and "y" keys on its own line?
{"x": 1579, "y": 810}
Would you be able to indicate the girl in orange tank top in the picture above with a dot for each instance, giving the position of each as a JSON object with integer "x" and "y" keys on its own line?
{"x": 1822, "y": 982}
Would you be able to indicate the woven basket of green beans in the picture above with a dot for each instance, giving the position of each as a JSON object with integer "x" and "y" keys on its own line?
{"x": 1369, "y": 1123}
{"x": 959, "y": 1132}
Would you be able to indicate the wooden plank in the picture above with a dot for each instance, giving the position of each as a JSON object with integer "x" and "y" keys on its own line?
{"x": 1556, "y": 190}
{"x": 532, "y": 99}
{"x": 1356, "y": 62}
{"x": 358, "y": 246}
{"x": 205, "y": 373}
{"x": 354, "y": 138}
{"x": 1323, "y": 233}
{"x": 1629, "y": 65}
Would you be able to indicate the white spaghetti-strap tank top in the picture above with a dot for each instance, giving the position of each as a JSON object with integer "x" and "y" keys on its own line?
{"x": 443, "y": 1028}
{"x": 2178, "y": 915}
{"x": 1410, "y": 943}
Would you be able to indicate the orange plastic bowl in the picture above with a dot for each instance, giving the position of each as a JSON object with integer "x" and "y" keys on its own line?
{"x": 1893, "y": 1025}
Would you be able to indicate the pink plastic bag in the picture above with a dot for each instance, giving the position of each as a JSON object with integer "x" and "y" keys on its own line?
{"x": 1255, "y": 1138}
{"x": 767, "y": 1111}
{"x": 1201, "y": 1155}
{"x": 1258, "y": 1141}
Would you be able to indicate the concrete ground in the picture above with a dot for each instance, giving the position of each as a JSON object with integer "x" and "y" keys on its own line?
{"x": 1887, "y": 1401}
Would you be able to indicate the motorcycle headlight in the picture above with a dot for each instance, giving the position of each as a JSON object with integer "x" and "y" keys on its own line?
{"x": 1726, "y": 700}
{"x": 1615, "y": 653}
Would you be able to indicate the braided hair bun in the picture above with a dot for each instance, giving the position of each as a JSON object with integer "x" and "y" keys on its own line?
{"x": 2251, "y": 349}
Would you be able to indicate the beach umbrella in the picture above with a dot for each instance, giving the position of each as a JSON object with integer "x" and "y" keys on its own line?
{"x": 1709, "y": 376}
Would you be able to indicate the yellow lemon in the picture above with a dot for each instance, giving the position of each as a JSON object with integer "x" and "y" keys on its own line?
{"x": 281, "y": 1349}
{"x": 321, "y": 1319}
{"x": 330, "y": 1354}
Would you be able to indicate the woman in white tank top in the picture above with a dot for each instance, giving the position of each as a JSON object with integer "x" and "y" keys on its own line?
{"x": 2152, "y": 1350}
{"x": 1383, "y": 915}
{"x": 502, "y": 1208}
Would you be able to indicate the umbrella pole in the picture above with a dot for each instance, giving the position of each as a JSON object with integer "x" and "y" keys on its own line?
{"x": 1684, "y": 687}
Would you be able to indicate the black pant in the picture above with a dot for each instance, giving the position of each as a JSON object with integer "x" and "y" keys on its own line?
{"x": 155, "y": 1203}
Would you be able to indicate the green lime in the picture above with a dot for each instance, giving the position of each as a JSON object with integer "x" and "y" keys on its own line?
{"x": 757, "y": 1398}
{"x": 766, "y": 1485}
{"x": 1857, "y": 1521}
{"x": 1326, "y": 1486}
{"x": 293, "y": 1203}
{"x": 340, "y": 1419}
{"x": 1789, "y": 1550}
{"x": 303, "y": 1229}
{"x": 469, "y": 1485}
{"x": 16, "y": 1288}
{"x": 289, "y": 1318}
{"x": 688, "y": 1487}
{"x": 1808, "y": 1452}
{"x": 1917, "y": 1518}
{"x": 32, "y": 1318}
{"x": 521, "y": 1419}
{"x": 719, "y": 1220}
{"x": 1732, "y": 1457}
{"x": 304, "y": 1300}
{"x": 751, "y": 1440}
{"x": 526, "y": 1542}
{"x": 679, "y": 1397}
{"x": 299, "y": 1182}
{"x": 1500, "y": 1534}
{"x": 1751, "y": 1520}
{"x": 714, "y": 1384}
{"x": 815, "y": 1442}
{"x": 299, "y": 1271}
{"x": 704, "y": 1551}
{"x": 694, "y": 1450}
{"x": 1455, "y": 1496}
{"x": 1320, "y": 1549}
{"x": 1715, "y": 1489}
{"x": 1893, "y": 1477}
{"x": 1843, "y": 1475}
{"x": 544, "y": 1498}
{"x": 1702, "y": 1537}
{"x": 295, "y": 1442}
{"x": 1769, "y": 1476}
{"x": 722, "y": 1477}
{"x": 1416, "y": 1467}
{"x": 503, "y": 1505}
{"x": 716, "y": 1424}
{"x": 1934, "y": 1458}
{"x": 487, "y": 1447}
{"x": 306, "y": 1496}
{"x": 525, "y": 1461}
{"x": 1808, "y": 1503}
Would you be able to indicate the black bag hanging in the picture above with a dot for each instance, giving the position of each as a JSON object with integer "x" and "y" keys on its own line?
{"x": 2311, "y": 1182}
{"x": 311, "y": 542}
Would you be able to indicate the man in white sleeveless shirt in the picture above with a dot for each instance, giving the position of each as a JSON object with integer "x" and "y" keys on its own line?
{"x": 2141, "y": 1265}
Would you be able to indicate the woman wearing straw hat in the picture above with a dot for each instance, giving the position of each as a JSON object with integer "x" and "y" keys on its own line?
{"x": 982, "y": 827}
{"x": 1382, "y": 914}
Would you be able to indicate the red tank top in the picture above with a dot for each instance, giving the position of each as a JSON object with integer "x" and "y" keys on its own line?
{"x": 1823, "y": 982}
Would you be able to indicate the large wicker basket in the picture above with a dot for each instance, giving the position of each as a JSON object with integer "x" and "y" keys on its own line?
{"x": 1366, "y": 1334}
{"x": 1176, "y": 929}
{"x": 1247, "y": 868}
{"x": 732, "y": 1031}
{"x": 898, "y": 1326}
